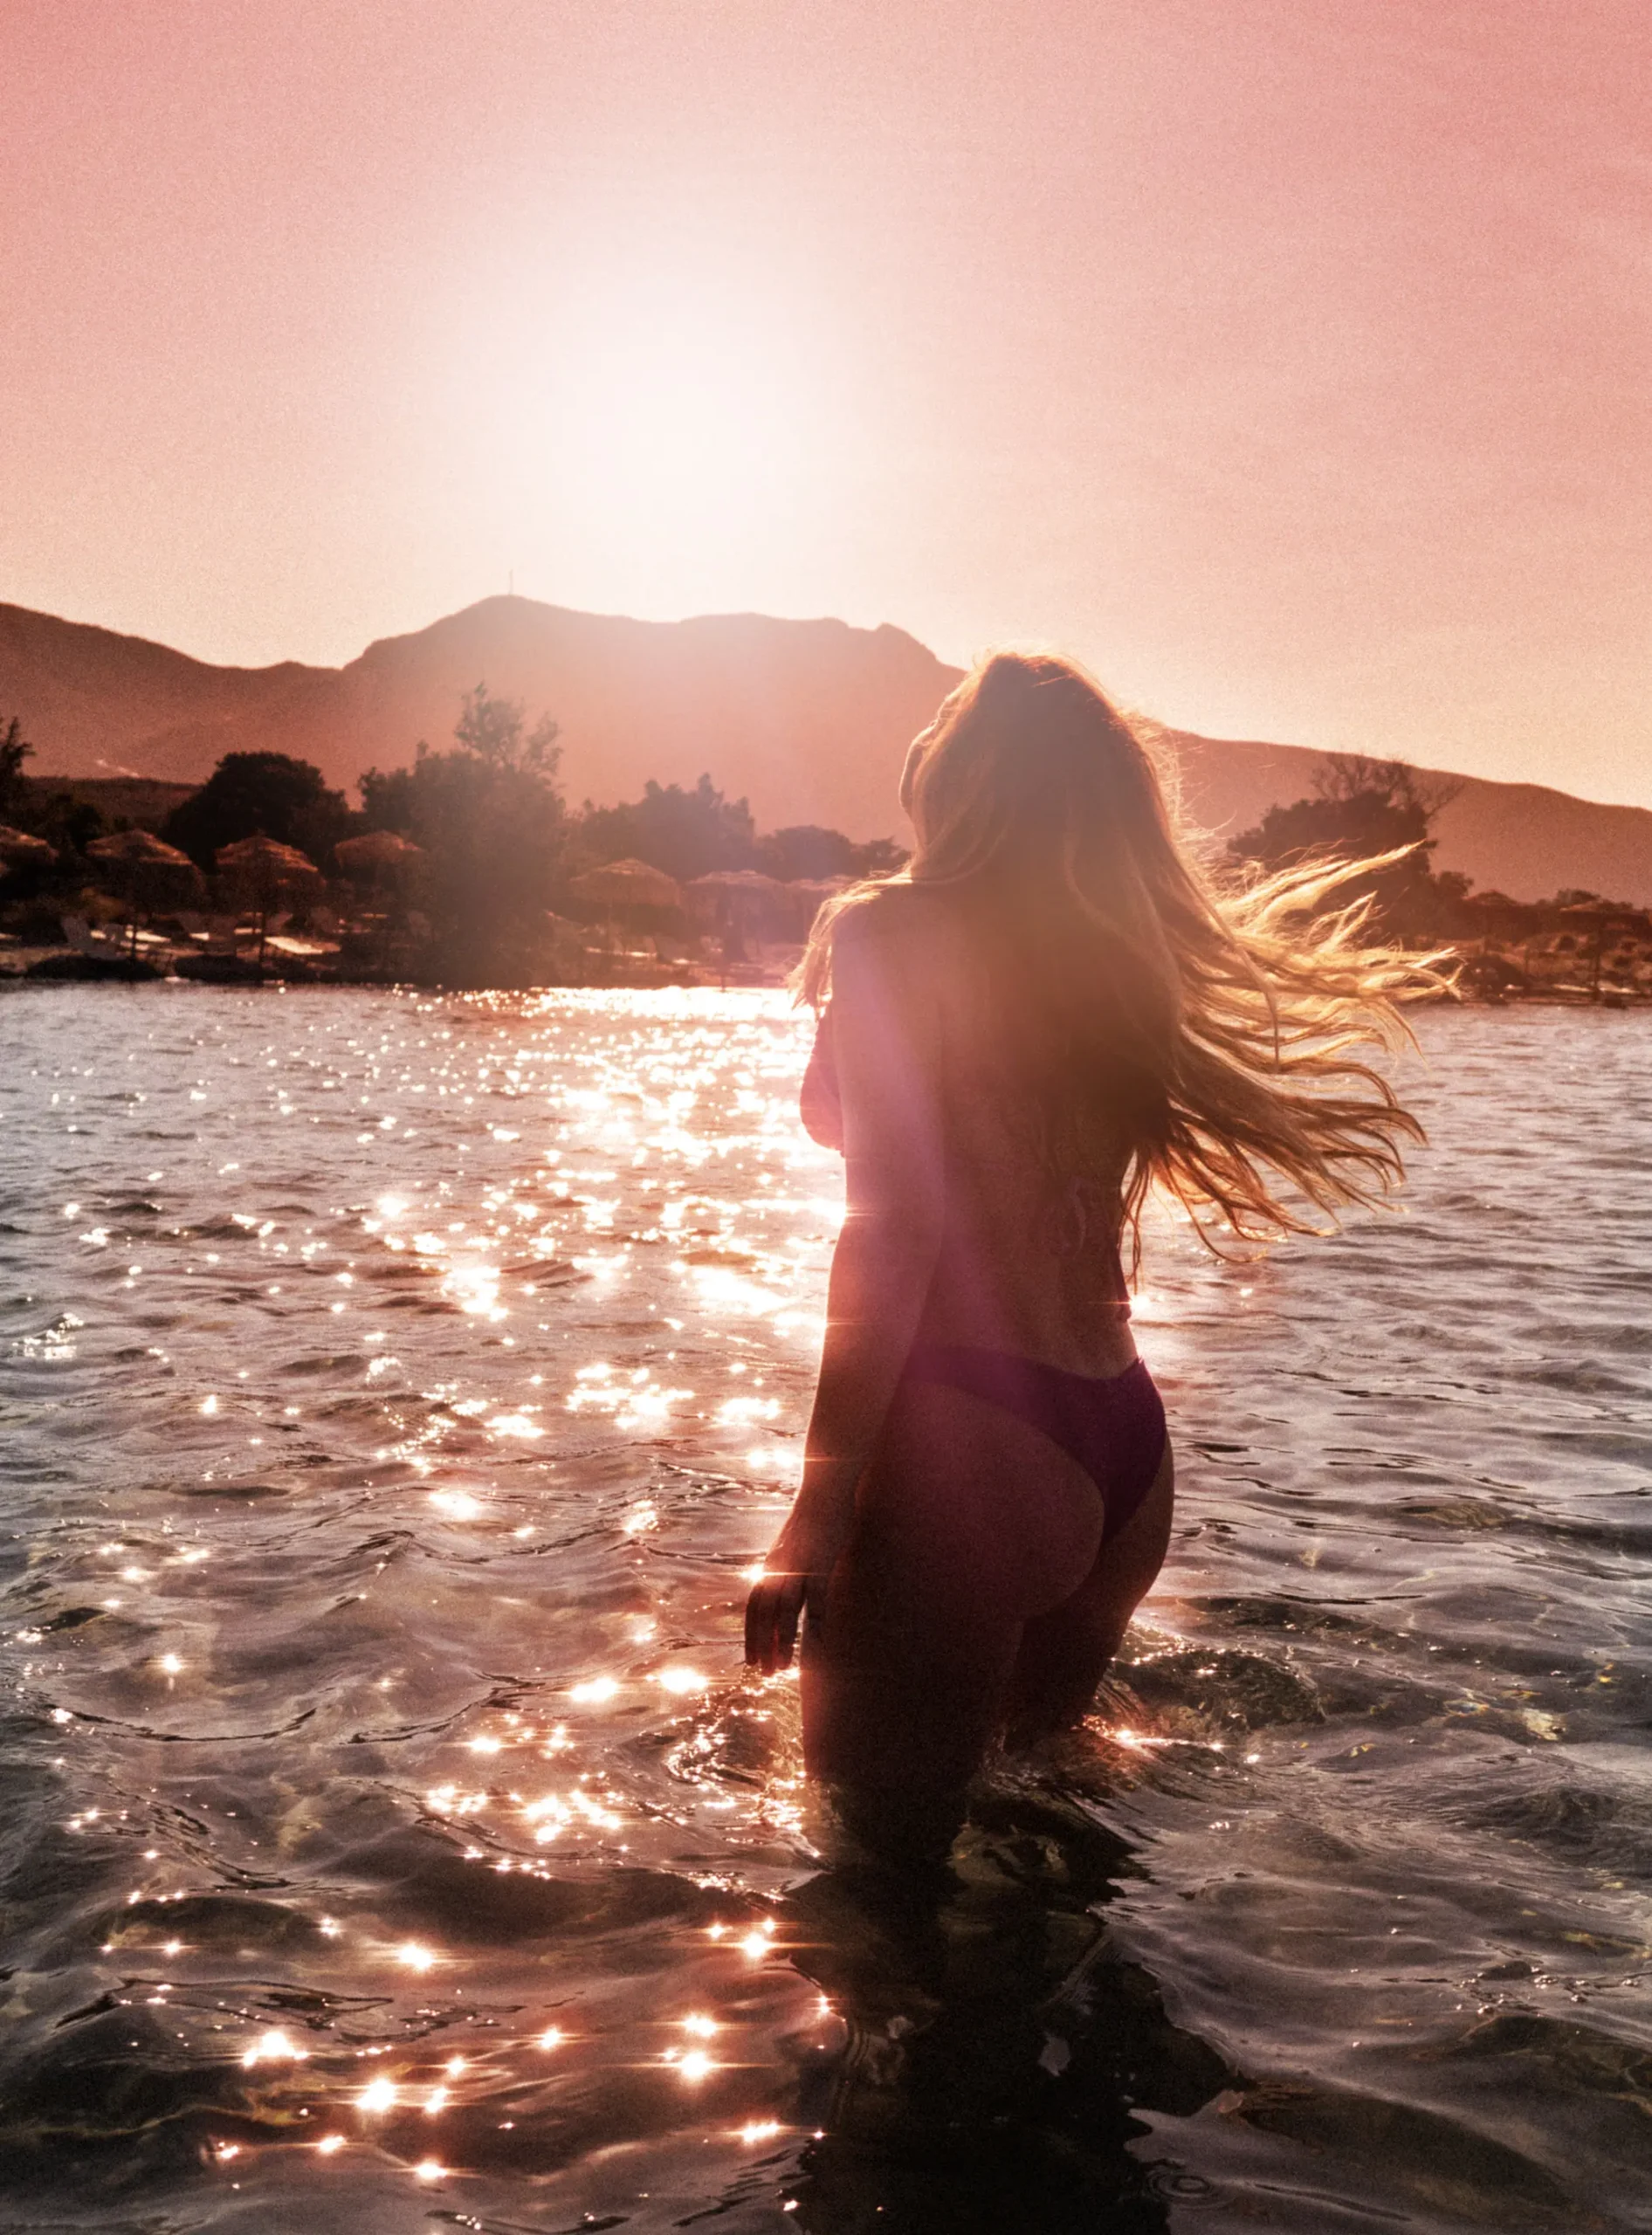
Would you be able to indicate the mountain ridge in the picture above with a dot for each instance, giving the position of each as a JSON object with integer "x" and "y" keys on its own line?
{"x": 807, "y": 720}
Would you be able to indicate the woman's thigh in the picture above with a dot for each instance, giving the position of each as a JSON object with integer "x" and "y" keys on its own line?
{"x": 1063, "y": 1653}
{"x": 968, "y": 1522}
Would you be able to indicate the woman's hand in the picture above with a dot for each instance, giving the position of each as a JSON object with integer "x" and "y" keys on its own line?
{"x": 794, "y": 1579}
{"x": 773, "y": 1613}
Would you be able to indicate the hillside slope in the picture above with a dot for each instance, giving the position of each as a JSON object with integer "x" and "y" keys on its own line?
{"x": 96, "y": 704}
{"x": 804, "y": 717}
{"x": 807, "y": 720}
{"x": 1523, "y": 839}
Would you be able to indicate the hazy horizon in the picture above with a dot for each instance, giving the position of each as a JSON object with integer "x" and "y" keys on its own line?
{"x": 1290, "y": 369}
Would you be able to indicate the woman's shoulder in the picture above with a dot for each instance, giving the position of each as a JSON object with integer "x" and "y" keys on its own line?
{"x": 900, "y": 920}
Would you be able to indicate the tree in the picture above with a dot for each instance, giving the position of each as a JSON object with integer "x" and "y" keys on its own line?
{"x": 286, "y": 799}
{"x": 1577, "y": 896}
{"x": 70, "y": 824}
{"x": 491, "y": 729}
{"x": 1353, "y": 775}
{"x": 1361, "y": 807}
{"x": 14, "y": 750}
{"x": 808, "y": 850}
{"x": 686, "y": 834}
{"x": 490, "y": 820}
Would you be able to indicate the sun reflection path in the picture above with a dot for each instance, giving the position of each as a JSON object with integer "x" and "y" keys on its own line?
{"x": 553, "y": 1372}
{"x": 650, "y": 1110}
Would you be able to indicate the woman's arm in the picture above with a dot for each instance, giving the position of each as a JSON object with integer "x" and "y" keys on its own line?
{"x": 886, "y": 1033}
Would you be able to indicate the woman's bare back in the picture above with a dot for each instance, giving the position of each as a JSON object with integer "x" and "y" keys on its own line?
{"x": 1029, "y": 1264}
{"x": 975, "y": 1593}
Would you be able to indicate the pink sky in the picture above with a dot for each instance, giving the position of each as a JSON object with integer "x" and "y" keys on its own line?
{"x": 1289, "y": 359}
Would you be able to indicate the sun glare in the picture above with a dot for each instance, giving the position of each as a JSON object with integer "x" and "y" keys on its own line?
{"x": 686, "y": 422}
{"x": 673, "y": 416}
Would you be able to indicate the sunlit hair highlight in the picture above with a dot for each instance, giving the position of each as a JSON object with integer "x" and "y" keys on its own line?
{"x": 1169, "y": 1027}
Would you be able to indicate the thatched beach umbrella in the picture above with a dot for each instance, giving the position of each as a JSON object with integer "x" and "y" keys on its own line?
{"x": 1592, "y": 920}
{"x": 619, "y": 888}
{"x": 267, "y": 858}
{"x": 626, "y": 885}
{"x": 736, "y": 902}
{"x": 140, "y": 849}
{"x": 378, "y": 859}
{"x": 733, "y": 895}
{"x": 751, "y": 882}
{"x": 265, "y": 870}
{"x": 376, "y": 854}
{"x": 149, "y": 873}
{"x": 21, "y": 849}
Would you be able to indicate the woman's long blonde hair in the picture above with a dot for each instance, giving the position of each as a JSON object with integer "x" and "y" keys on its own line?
{"x": 1168, "y": 1029}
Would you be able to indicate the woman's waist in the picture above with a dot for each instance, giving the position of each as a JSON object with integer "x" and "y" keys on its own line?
{"x": 1008, "y": 1203}
{"x": 1087, "y": 1336}
{"x": 1033, "y": 1250}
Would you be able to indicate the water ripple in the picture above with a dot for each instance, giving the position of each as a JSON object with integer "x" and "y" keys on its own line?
{"x": 393, "y": 1390}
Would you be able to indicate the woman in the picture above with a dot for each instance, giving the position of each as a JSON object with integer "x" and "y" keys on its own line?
{"x": 1047, "y": 1012}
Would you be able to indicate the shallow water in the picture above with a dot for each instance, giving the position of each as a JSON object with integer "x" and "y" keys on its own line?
{"x": 393, "y": 1389}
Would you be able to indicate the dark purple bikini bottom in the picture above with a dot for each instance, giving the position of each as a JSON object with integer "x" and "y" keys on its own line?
{"x": 1115, "y": 1427}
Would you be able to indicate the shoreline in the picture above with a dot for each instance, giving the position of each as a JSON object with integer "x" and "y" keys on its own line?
{"x": 58, "y": 966}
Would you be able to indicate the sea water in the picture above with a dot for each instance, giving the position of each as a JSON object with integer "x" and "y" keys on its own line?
{"x": 396, "y": 1392}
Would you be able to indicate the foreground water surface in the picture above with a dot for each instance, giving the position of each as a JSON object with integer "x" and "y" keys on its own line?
{"x": 394, "y": 1389}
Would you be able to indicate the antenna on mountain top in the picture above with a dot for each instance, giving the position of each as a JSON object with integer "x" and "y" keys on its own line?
{"x": 512, "y": 591}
